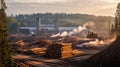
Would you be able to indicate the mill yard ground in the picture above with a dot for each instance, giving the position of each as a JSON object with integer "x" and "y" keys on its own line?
{"x": 40, "y": 61}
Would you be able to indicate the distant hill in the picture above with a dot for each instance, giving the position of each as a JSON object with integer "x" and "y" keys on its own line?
{"x": 63, "y": 19}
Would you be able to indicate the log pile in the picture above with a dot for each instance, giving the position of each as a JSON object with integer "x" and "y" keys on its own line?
{"x": 20, "y": 43}
{"x": 59, "y": 50}
{"x": 38, "y": 51}
{"x": 42, "y": 43}
{"x": 66, "y": 50}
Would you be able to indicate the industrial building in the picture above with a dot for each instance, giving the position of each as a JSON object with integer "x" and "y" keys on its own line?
{"x": 44, "y": 29}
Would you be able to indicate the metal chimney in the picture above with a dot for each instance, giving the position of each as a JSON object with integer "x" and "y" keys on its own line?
{"x": 56, "y": 25}
{"x": 38, "y": 23}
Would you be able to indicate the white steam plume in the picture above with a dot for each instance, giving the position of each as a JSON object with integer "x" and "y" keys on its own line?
{"x": 65, "y": 33}
{"x": 56, "y": 35}
{"x": 96, "y": 43}
{"x": 75, "y": 31}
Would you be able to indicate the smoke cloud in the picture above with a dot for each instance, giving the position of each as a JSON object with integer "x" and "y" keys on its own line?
{"x": 78, "y": 30}
{"x": 96, "y": 43}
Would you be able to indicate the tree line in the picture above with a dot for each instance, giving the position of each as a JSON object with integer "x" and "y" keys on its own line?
{"x": 63, "y": 19}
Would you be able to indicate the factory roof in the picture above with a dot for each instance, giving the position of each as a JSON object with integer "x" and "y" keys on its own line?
{"x": 31, "y": 28}
{"x": 49, "y": 28}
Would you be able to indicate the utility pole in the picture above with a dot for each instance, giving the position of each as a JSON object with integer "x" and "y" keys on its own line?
{"x": 5, "y": 46}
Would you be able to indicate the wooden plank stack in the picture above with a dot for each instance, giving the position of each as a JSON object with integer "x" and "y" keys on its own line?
{"x": 66, "y": 50}
{"x": 20, "y": 43}
{"x": 38, "y": 51}
{"x": 59, "y": 50}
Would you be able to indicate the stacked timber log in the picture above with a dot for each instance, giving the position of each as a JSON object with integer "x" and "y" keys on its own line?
{"x": 38, "y": 51}
{"x": 20, "y": 43}
{"x": 66, "y": 50}
{"x": 59, "y": 50}
{"x": 41, "y": 43}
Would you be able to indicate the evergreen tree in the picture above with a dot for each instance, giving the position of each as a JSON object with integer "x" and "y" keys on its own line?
{"x": 5, "y": 48}
{"x": 117, "y": 20}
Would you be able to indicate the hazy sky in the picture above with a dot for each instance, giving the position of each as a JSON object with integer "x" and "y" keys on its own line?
{"x": 96, "y": 7}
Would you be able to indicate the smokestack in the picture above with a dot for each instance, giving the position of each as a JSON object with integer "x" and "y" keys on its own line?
{"x": 38, "y": 23}
{"x": 56, "y": 25}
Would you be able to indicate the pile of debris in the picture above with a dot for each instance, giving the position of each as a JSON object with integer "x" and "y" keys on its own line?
{"x": 92, "y": 35}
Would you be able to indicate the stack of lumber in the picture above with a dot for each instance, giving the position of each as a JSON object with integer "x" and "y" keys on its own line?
{"x": 59, "y": 50}
{"x": 38, "y": 51}
{"x": 53, "y": 51}
{"x": 20, "y": 43}
{"x": 66, "y": 50}
{"x": 42, "y": 43}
